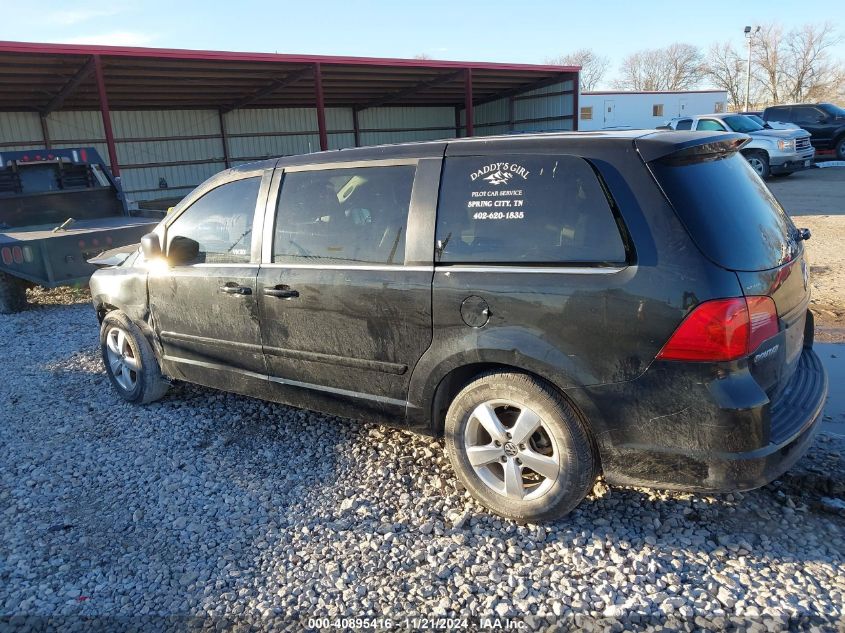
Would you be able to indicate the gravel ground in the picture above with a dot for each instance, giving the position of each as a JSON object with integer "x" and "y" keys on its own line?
{"x": 222, "y": 507}
{"x": 827, "y": 273}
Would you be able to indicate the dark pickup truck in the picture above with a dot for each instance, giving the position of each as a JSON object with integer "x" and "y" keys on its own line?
{"x": 58, "y": 208}
{"x": 824, "y": 121}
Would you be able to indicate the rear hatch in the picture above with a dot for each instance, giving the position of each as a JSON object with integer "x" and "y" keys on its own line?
{"x": 739, "y": 225}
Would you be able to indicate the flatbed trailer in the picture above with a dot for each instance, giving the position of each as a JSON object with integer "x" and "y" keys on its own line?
{"x": 58, "y": 209}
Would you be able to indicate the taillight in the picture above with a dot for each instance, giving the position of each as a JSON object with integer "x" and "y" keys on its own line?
{"x": 764, "y": 320}
{"x": 723, "y": 330}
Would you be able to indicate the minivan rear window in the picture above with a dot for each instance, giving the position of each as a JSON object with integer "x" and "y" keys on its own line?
{"x": 525, "y": 209}
{"x": 729, "y": 212}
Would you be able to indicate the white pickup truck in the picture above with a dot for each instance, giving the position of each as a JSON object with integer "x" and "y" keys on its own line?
{"x": 770, "y": 152}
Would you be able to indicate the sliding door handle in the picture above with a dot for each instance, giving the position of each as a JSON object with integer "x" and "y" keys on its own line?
{"x": 281, "y": 292}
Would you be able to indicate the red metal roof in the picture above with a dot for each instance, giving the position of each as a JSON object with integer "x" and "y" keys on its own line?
{"x": 37, "y": 76}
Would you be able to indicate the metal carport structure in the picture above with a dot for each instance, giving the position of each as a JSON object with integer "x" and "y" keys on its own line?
{"x": 40, "y": 82}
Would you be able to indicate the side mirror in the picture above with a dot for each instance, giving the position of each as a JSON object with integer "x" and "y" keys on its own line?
{"x": 182, "y": 250}
{"x": 151, "y": 246}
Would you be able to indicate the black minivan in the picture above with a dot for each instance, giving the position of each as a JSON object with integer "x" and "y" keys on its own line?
{"x": 559, "y": 306}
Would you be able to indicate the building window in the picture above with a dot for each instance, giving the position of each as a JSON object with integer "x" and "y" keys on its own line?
{"x": 587, "y": 113}
{"x": 719, "y": 107}
{"x": 657, "y": 109}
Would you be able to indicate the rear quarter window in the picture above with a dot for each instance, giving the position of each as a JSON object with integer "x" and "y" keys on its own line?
{"x": 729, "y": 212}
{"x": 525, "y": 209}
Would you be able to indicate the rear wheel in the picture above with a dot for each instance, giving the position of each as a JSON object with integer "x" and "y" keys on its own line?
{"x": 759, "y": 161}
{"x": 130, "y": 361}
{"x": 12, "y": 294}
{"x": 519, "y": 447}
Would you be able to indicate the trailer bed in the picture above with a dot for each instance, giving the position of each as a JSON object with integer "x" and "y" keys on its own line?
{"x": 80, "y": 228}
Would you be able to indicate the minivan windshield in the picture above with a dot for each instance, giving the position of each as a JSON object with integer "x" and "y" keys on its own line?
{"x": 741, "y": 123}
{"x": 729, "y": 212}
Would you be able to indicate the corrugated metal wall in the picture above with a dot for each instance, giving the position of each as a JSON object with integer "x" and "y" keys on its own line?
{"x": 401, "y": 125}
{"x": 20, "y": 130}
{"x": 544, "y": 109}
{"x": 181, "y": 148}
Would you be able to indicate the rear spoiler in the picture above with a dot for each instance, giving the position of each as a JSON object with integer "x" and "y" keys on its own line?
{"x": 685, "y": 146}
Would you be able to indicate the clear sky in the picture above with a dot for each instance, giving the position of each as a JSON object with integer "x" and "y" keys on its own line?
{"x": 491, "y": 30}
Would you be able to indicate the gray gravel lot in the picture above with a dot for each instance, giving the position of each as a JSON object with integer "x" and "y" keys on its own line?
{"x": 215, "y": 505}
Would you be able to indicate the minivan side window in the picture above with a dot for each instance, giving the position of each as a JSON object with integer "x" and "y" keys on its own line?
{"x": 356, "y": 215}
{"x": 524, "y": 209}
{"x": 221, "y": 222}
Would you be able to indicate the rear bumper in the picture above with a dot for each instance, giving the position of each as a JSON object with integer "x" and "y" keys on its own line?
{"x": 697, "y": 449}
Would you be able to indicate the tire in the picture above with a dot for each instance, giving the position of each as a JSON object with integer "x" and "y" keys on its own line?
{"x": 559, "y": 445}
{"x": 12, "y": 294}
{"x": 840, "y": 149}
{"x": 759, "y": 162}
{"x": 130, "y": 361}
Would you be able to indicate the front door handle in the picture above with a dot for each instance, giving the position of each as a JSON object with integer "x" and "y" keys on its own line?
{"x": 233, "y": 288}
{"x": 281, "y": 292}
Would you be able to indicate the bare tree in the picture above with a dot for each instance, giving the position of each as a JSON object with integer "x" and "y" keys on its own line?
{"x": 768, "y": 46}
{"x": 797, "y": 65}
{"x": 676, "y": 67}
{"x": 593, "y": 66}
{"x": 809, "y": 72}
{"x": 422, "y": 56}
{"x": 639, "y": 71}
{"x": 726, "y": 69}
{"x": 684, "y": 66}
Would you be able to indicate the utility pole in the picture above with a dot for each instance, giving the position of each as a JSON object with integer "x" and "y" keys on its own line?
{"x": 748, "y": 36}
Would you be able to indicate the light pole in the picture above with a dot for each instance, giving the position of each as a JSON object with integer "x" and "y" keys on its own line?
{"x": 749, "y": 36}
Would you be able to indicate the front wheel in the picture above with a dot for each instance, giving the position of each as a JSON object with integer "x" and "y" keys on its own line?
{"x": 840, "y": 149}
{"x": 130, "y": 361}
{"x": 519, "y": 448}
{"x": 759, "y": 161}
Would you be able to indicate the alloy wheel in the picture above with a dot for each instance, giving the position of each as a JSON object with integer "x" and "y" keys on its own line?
{"x": 122, "y": 361}
{"x": 757, "y": 165}
{"x": 512, "y": 450}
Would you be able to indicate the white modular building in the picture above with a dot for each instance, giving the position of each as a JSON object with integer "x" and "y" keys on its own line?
{"x": 604, "y": 110}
